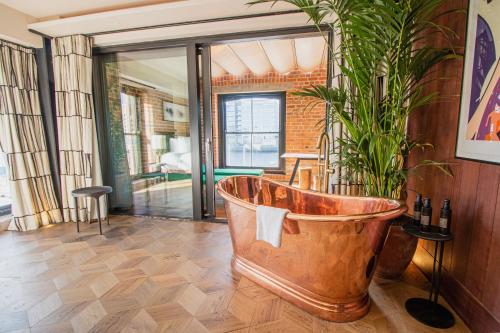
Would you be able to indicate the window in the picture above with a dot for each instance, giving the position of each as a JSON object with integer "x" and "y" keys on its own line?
{"x": 252, "y": 130}
{"x": 132, "y": 132}
{"x": 4, "y": 186}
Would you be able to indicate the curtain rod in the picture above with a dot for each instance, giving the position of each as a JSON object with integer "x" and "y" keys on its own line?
{"x": 176, "y": 24}
{"x": 3, "y": 40}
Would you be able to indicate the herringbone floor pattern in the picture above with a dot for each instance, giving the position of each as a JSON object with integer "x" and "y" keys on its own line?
{"x": 153, "y": 275}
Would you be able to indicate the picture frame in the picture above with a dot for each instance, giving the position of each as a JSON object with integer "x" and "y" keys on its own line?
{"x": 175, "y": 112}
{"x": 478, "y": 135}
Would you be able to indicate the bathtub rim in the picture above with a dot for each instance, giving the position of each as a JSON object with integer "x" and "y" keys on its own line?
{"x": 381, "y": 215}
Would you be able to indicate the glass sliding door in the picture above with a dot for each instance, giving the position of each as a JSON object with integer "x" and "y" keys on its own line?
{"x": 148, "y": 133}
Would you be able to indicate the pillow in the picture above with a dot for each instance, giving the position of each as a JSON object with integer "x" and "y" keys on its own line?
{"x": 180, "y": 145}
{"x": 170, "y": 160}
{"x": 185, "y": 162}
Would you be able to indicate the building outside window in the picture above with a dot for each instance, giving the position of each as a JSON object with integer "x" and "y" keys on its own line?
{"x": 5, "y": 200}
{"x": 252, "y": 130}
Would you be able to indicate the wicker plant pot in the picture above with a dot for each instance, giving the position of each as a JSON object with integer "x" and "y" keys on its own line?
{"x": 398, "y": 251}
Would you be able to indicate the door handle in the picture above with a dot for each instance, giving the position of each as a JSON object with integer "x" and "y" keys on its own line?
{"x": 208, "y": 145}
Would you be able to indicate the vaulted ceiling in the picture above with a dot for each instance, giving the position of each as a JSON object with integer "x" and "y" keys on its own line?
{"x": 276, "y": 55}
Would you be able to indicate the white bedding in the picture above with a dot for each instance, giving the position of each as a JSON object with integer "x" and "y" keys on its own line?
{"x": 179, "y": 157}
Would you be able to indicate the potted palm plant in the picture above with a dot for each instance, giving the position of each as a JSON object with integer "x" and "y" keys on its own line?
{"x": 383, "y": 71}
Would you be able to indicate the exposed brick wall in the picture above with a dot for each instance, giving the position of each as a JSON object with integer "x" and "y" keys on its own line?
{"x": 302, "y": 129}
{"x": 152, "y": 122}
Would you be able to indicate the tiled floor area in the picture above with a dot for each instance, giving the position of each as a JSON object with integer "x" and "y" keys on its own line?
{"x": 154, "y": 275}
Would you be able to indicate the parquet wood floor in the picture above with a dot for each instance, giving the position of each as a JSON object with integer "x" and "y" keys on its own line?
{"x": 154, "y": 275}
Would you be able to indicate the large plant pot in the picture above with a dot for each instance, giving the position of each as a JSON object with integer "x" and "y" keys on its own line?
{"x": 398, "y": 251}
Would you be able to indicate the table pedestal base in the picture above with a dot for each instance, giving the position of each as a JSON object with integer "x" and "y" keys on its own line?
{"x": 430, "y": 313}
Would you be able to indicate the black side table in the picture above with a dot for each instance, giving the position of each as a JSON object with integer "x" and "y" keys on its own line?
{"x": 92, "y": 192}
{"x": 429, "y": 311}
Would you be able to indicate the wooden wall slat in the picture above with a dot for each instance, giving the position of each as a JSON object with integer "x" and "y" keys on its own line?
{"x": 492, "y": 282}
{"x": 463, "y": 217}
{"x": 471, "y": 281}
{"x": 487, "y": 192}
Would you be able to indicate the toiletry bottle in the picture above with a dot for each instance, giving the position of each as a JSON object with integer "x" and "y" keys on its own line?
{"x": 445, "y": 218}
{"x": 426, "y": 216}
{"x": 417, "y": 209}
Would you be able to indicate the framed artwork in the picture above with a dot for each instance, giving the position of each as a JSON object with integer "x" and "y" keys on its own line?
{"x": 175, "y": 112}
{"x": 479, "y": 119}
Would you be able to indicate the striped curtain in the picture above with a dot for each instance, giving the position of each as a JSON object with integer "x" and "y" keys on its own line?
{"x": 341, "y": 185}
{"x": 78, "y": 147}
{"x": 22, "y": 139}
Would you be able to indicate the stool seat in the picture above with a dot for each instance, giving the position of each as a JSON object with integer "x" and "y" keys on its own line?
{"x": 91, "y": 191}
{"x": 94, "y": 192}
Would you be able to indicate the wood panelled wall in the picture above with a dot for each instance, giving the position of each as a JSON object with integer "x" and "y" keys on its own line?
{"x": 471, "y": 281}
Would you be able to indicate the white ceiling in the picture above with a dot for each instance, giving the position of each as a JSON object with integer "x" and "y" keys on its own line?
{"x": 164, "y": 14}
{"x": 170, "y": 62}
{"x": 65, "y": 8}
{"x": 202, "y": 29}
{"x": 272, "y": 55}
{"x": 165, "y": 69}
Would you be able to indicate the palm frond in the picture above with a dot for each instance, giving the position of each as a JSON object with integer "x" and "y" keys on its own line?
{"x": 382, "y": 59}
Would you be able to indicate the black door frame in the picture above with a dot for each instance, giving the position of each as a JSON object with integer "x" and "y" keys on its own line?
{"x": 195, "y": 128}
{"x": 100, "y": 105}
{"x": 207, "y": 130}
{"x": 193, "y": 46}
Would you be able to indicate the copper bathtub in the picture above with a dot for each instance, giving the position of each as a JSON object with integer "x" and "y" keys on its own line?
{"x": 329, "y": 247}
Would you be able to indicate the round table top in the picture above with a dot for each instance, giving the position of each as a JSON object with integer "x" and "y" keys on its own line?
{"x": 92, "y": 191}
{"x": 432, "y": 235}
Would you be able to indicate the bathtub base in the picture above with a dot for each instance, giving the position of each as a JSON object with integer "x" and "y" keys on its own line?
{"x": 320, "y": 306}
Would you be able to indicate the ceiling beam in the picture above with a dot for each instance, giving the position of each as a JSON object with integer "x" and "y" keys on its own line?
{"x": 161, "y": 16}
{"x": 217, "y": 70}
{"x": 295, "y": 54}
{"x": 280, "y": 53}
{"x": 227, "y": 59}
{"x": 253, "y": 56}
{"x": 310, "y": 52}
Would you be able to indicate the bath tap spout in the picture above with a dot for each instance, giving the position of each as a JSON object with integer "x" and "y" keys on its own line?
{"x": 324, "y": 169}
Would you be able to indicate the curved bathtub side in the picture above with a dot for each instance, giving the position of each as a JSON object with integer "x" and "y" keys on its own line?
{"x": 251, "y": 191}
{"x": 323, "y": 267}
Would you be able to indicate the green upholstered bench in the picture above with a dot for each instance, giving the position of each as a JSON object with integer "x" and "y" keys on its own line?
{"x": 218, "y": 174}
{"x": 226, "y": 172}
{"x": 172, "y": 176}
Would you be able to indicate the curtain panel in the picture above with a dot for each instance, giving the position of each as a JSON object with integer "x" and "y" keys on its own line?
{"x": 77, "y": 136}
{"x": 22, "y": 139}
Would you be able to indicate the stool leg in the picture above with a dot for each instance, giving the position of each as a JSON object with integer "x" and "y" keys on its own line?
{"x": 76, "y": 213}
{"x": 147, "y": 192}
{"x": 99, "y": 215}
{"x": 107, "y": 207}
{"x": 88, "y": 218}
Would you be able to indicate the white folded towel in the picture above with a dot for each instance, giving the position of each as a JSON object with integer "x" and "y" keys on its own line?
{"x": 270, "y": 224}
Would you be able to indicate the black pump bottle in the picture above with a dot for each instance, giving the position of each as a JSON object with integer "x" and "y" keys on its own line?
{"x": 426, "y": 218}
{"x": 445, "y": 217}
{"x": 417, "y": 209}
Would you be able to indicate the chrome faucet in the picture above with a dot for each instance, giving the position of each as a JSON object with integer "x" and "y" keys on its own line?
{"x": 324, "y": 169}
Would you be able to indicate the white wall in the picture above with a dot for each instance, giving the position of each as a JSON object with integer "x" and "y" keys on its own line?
{"x": 14, "y": 27}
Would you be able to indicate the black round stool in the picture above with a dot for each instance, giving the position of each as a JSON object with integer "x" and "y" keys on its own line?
{"x": 91, "y": 192}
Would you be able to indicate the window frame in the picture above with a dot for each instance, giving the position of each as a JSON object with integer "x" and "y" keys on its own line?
{"x": 138, "y": 133}
{"x": 222, "y": 98}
